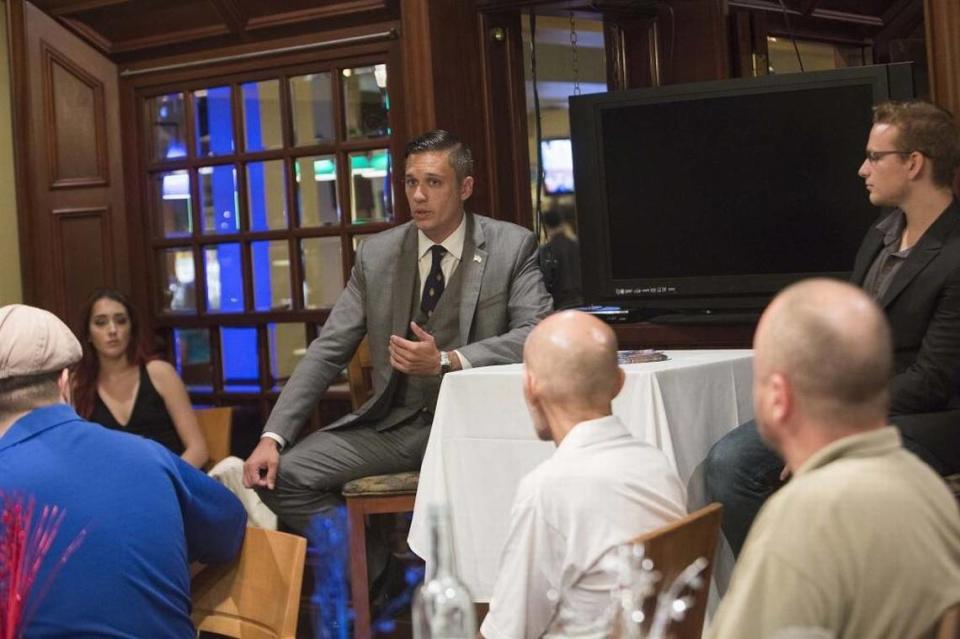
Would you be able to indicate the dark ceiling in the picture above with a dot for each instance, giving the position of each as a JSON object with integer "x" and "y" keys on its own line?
{"x": 130, "y": 30}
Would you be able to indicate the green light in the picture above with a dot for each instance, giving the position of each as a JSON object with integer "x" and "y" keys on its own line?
{"x": 381, "y": 161}
{"x": 324, "y": 167}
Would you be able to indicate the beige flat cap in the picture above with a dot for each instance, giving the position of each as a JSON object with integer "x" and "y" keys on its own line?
{"x": 34, "y": 341}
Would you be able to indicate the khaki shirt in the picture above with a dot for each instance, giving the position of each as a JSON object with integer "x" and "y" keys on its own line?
{"x": 863, "y": 542}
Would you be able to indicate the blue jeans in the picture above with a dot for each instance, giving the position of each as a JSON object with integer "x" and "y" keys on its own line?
{"x": 740, "y": 471}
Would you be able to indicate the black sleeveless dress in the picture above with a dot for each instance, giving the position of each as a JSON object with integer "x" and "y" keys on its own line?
{"x": 149, "y": 417}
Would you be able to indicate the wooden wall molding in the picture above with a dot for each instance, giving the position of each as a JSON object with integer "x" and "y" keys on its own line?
{"x": 52, "y": 58}
{"x": 333, "y": 10}
{"x": 78, "y": 233}
{"x": 20, "y": 106}
{"x": 232, "y": 14}
{"x": 125, "y": 30}
{"x": 84, "y": 5}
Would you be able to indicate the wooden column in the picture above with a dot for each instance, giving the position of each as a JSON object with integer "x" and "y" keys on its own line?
{"x": 942, "y": 19}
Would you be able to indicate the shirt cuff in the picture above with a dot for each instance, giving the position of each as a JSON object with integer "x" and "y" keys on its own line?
{"x": 464, "y": 362}
{"x": 277, "y": 438}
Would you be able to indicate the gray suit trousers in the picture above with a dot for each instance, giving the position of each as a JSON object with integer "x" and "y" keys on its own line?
{"x": 313, "y": 471}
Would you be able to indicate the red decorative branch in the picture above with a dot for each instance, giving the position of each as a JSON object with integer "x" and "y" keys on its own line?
{"x": 24, "y": 543}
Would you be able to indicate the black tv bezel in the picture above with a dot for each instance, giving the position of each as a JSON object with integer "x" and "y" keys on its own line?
{"x": 704, "y": 293}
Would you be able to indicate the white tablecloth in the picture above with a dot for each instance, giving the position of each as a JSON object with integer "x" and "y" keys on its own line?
{"x": 482, "y": 442}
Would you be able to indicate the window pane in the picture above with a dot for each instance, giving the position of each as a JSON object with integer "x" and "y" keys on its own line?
{"x": 173, "y": 204}
{"x": 166, "y": 117}
{"x": 365, "y": 102}
{"x": 192, "y": 352}
{"x": 261, "y": 115}
{"x": 213, "y": 121}
{"x": 310, "y": 97}
{"x": 266, "y": 195}
{"x": 271, "y": 275}
{"x": 178, "y": 280}
{"x": 371, "y": 199}
{"x": 288, "y": 344}
{"x": 322, "y": 271}
{"x": 316, "y": 187}
{"x": 241, "y": 360}
{"x": 218, "y": 199}
{"x": 224, "y": 278}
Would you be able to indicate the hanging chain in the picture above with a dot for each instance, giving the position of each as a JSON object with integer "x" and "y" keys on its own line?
{"x": 574, "y": 55}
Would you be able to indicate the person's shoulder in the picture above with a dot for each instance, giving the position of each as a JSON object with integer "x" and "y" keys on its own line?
{"x": 502, "y": 227}
{"x": 162, "y": 374}
{"x": 160, "y": 369}
{"x": 392, "y": 236}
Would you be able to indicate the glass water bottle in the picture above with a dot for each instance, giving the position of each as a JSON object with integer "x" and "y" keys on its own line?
{"x": 442, "y": 606}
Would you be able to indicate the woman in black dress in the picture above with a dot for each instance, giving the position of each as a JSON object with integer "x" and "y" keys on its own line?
{"x": 119, "y": 386}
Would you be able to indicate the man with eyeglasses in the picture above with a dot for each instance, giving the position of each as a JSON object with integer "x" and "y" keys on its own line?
{"x": 910, "y": 263}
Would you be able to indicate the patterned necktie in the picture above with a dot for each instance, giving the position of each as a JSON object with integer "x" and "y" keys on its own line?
{"x": 433, "y": 287}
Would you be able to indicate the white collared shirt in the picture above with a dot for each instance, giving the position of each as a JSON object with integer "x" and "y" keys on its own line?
{"x": 451, "y": 259}
{"x": 602, "y": 488}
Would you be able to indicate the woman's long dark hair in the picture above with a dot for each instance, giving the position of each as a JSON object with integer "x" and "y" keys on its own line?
{"x": 86, "y": 371}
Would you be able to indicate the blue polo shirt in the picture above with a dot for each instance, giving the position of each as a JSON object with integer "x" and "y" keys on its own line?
{"x": 146, "y": 513}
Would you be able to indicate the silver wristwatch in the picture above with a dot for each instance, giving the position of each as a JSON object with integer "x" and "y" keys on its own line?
{"x": 445, "y": 365}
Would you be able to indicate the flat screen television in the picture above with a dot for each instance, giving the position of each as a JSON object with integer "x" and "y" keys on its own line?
{"x": 709, "y": 197}
{"x": 557, "y": 166}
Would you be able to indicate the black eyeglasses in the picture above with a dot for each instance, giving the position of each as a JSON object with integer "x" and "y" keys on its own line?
{"x": 875, "y": 156}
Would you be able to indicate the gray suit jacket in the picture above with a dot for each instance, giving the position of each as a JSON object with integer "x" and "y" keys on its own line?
{"x": 503, "y": 297}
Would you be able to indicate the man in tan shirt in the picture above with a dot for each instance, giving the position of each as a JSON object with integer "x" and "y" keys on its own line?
{"x": 864, "y": 541}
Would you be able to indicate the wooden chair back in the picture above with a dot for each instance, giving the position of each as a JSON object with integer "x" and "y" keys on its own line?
{"x": 257, "y": 596}
{"x": 360, "y": 375}
{"x": 215, "y": 425}
{"x": 949, "y": 626}
{"x": 673, "y": 548}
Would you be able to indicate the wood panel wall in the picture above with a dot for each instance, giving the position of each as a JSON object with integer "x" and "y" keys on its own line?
{"x": 69, "y": 164}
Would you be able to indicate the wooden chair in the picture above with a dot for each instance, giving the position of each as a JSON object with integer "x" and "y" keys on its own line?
{"x": 257, "y": 596}
{"x": 379, "y": 494}
{"x": 215, "y": 425}
{"x": 673, "y": 548}
{"x": 953, "y": 483}
{"x": 949, "y": 627}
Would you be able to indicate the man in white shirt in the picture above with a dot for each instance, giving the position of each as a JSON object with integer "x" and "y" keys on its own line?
{"x": 602, "y": 487}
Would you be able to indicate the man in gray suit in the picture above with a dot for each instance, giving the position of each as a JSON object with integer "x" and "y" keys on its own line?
{"x": 447, "y": 290}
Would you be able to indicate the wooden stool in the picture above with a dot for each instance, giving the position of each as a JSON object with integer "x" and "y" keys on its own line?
{"x": 377, "y": 494}
{"x": 953, "y": 483}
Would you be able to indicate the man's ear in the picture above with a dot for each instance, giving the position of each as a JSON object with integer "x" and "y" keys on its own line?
{"x": 917, "y": 165}
{"x": 621, "y": 378}
{"x": 466, "y": 188}
{"x": 66, "y": 388}
{"x": 781, "y": 398}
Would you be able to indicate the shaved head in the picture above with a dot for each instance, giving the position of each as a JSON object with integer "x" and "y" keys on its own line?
{"x": 831, "y": 342}
{"x": 570, "y": 363}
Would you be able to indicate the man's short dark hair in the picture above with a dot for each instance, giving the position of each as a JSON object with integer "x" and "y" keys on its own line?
{"x": 927, "y": 128}
{"x": 461, "y": 158}
{"x": 551, "y": 219}
{"x": 26, "y": 392}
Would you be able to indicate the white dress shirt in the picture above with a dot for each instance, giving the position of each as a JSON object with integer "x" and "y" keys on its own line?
{"x": 602, "y": 488}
